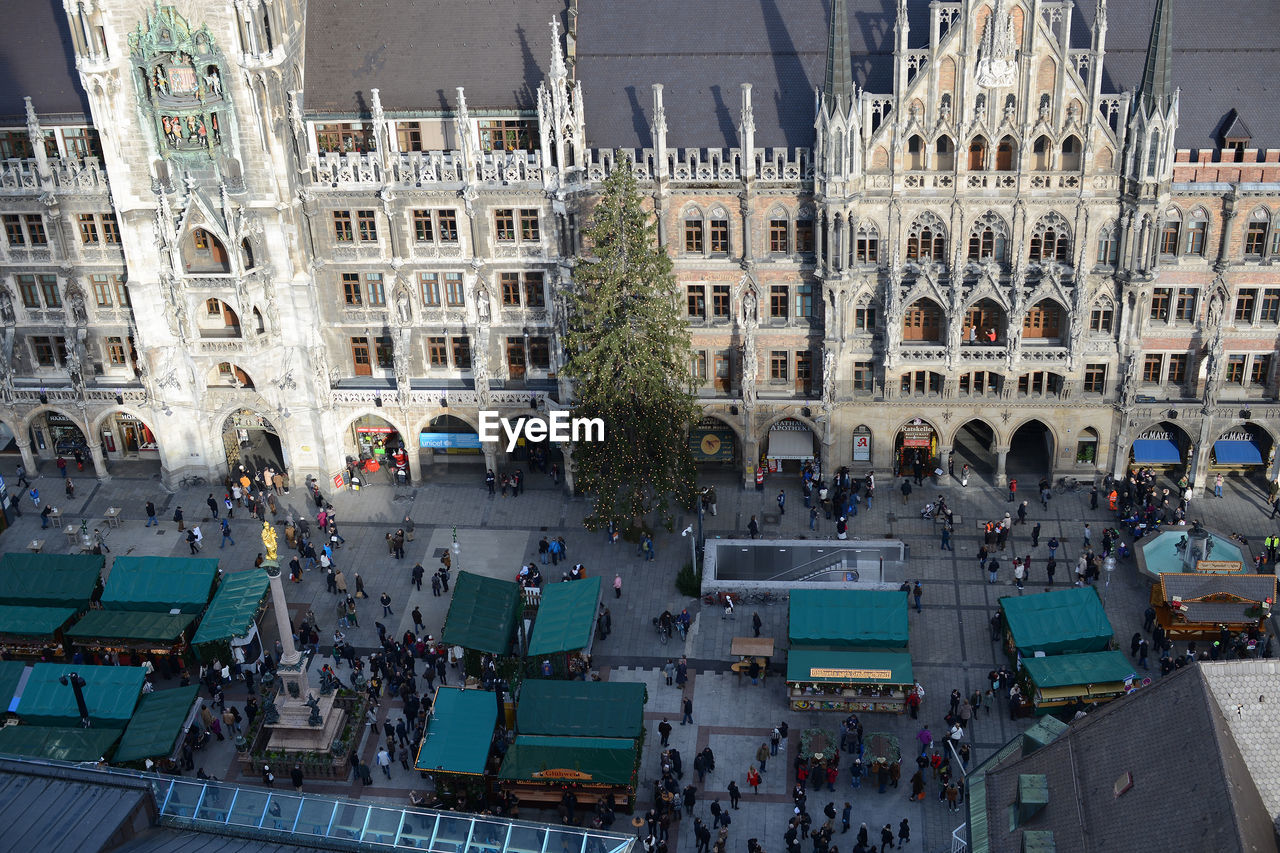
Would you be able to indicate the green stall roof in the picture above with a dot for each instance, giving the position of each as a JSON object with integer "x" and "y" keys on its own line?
{"x": 10, "y": 678}
{"x": 482, "y": 614}
{"x": 159, "y": 584}
{"x": 111, "y": 692}
{"x": 50, "y": 580}
{"x": 58, "y": 744}
{"x": 584, "y": 708}
{"x": 460, "y": 731}
{"x": 1070, "y": 670}
{"x": 233, "y": 608}
{"x": 1064, "y": 620}
{"x": 606, "y": 761}
{"x": 18, "y": 620}
{"x": 566, "y": 616}
{"x": 848, "y": 618}
{"x": 129, "y": 625}
{"x": 849, "y": 666}
{"x": 154, "y": 729}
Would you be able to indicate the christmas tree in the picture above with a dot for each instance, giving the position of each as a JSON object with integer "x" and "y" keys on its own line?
{"x": 629, "y": 360}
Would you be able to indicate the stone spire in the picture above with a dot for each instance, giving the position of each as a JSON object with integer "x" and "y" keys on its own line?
{"x": 839, "y": 63}
{"x": 1157, "y": 73}
{"x": 558, "y": 70}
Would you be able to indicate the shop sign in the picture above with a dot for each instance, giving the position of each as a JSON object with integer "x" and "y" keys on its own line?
{"x": 1237, "y": 435}
{"x": 449, "y": 440}
{"x": 374, "y": 429}
{"x": 711, "y": 445}
{"x": 562, "y": 773}
{"x": 862, "y": 445}
{"x": 852, "y": 674}
{"x": 917, "y": 434}
{"x": 788, "y": 425}
{"x": 1155, "y": 435}
{"x": 248, "y": 420}
{"x": 55, "y": 419}
{"x": 1218, "y": 566}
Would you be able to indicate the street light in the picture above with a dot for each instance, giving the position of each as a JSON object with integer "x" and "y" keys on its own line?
{"x": 77, "y": 685}
{"x": 457, "y": 550}
{"x": 1109, "y": 566}
{"x": 693, "y": 547}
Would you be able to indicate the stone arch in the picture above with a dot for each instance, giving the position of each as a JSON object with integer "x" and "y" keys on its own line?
{"x": 29, "y": 419}
{"x": 1046, "y": 75}
{"x": 384, "y": 413}
{"x": 763, "y": 434}
{"x": 1106, "y": 158}
{"x": 880, "y": 158}
{"x": 946, "y": 76}
{"x": 1051, "y": 239}
{"x": 955, "y": 433}
{"x": 426, "y": 420}
{"x": 989, "y": 237}
{"x": 727, "y": 420}
{"x": 1023, "y": 461}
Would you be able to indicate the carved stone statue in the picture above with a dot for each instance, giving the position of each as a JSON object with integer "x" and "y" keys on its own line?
{"x": 828, "y": 376}
{"x": 78, "y": 311}
{"x": 996, "y": 51}
{"x": 483, "y": 308}
{"x": 269, "y": 540}
{"x": 749, "y": 304}
{"x": 7, "y": 315}
{"x": 403, "y": 310}
{"x": 1129, "y": 393}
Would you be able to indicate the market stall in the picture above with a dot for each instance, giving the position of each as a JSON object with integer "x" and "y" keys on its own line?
{"x": 160, "y": 584}
{"x": 231, "y": 622}
{"x": 50, "y": 580}
{"x": 564, "y": 626}
{"x": 131, "y": 636}
{"x": 157, "y": 725}
{"x": 458, "y": 742}
{"x": 1063, "y": 681}
{"x": 34, "y": 633}
{"x": 482, "y": 616}
{"x": 111, "y": 694}
{"x": 1195, "y": 606}
{"x": 58, "y": 743}
{"x": 539, "y": 769}
{"x": 848, "y": 650}
{"x": 1058, "y": 622}
{"x": 842, "y": 680}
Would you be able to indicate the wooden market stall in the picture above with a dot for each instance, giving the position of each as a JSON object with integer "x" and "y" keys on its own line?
{"x": 34, "y": 633}
{"x": 482, "y": 618}
{"x": 564, "y": 627}
{"x": 1196, "y": 606}
{"x": 231, "y": 622}
{"x": 157, "y": 725}
{"x": 1061, "y": 681}
{"x": 161, "y": 584}
{"x": 110, "y": 692}
{"x": 748, "y": 649}
{"x": 131, "y": 636}
{"x": 1062, "y": 621}
{"x": 40, "y": 596}
{"x": 458, "y": 743}
{"x": 849, "y": 650}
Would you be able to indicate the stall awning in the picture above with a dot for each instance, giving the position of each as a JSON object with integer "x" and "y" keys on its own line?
{"x": 586, "y": 708}
{"x": 460, "y": 731}
{"x": 233, "y": 608}
{"x": 18, "y": 621}
{"x": 566, "y": 617}
{"x": 790, "y": 444}
{"x": 1237, "y": 453}
{"x": 482, "y": 614}
{"x": 597, "y": 760}
{"x": 159, "y": 584}
{"x": 1064, "y": 620}
{"x": 1071, "y": 670}
{"x": 848, "y": 618}
{"x": 154, "y": 730}
{"x": 1156, "y": 451}
{"x": 49, "y": 580}
{"x": 111, "y": 692}
{"x": 58, "y": 744}
{"x": 843, "y": 666}
{"x": 129, "y": 625}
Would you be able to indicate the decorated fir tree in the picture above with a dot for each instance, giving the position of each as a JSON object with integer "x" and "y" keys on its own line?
{"x": 629, "y": 358}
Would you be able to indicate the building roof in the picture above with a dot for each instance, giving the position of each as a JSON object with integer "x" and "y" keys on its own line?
{"x": 110, "y": 692}
{"x": 128, "y": 625}
{"x": 1063, "y": 620}
{"x": 1248, "y": 694}
{"x": 599, "y": 760}
{"x": 459, "y": 731}
{"x": 49, "y": 580}
{"x": 1193, "y": 585}
{"x": 160, "y": 584}
{"x": 1191, "y": 789}
{"x": 12, "y": 674}
{"x": 234, "y": 606}
{"x": 62, "y": 809}
{"x": 482, "y": 613}
{"x": 566, "y": 617}
{"x": 418, "y": 53}
{"x": 848, "y": 618}
{"x": 1072, "y": 670}
{"x": 585, "y": 708}
{"x": 157, "y": 724}
{"x": 39, "y": 62}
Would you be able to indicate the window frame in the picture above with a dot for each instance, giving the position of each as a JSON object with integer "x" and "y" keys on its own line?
{"x": 779, "y": 236}
{"x": 429, "y": 288}
{"x": 779, "y": 365}
{"x": 367, "y": 226}
{"x": 343, "y": 228}
{"x": 696, "y": 301}
{"x": 352, "y": 291}
{"x": 779, "y": 302}
{"x": 437, "y": 351}
{"x": 1095, "y": 379}
{"x": 504, "y": 224}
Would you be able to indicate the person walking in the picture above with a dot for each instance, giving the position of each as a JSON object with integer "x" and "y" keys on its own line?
{"x": 686, "y": 708}
{"x": 385, "y": 600}
{"x": 1022, "y": 513}
{"x": 993, "y": 570}
{"x": 226, "y": 534}
{"x": 734, "y": 794}
{"x": 886, "y": 837}
{"x": 151, "y": 515}
{"x": 1088, "y": 536}
{"x": 177, "y": 516}
{"x": 418, "y": 624}
{"x": 1217, "y": 486}
{"x": 946, "y": 538}
{"x": 753, "y": 528}
{"x": 762, "y": 756}
{"x": 782, "y": 502}
{"x": 213, "y": 505}
{"x": 1013, "y": 490}
{"x": 904, "y": 833}
{"x": 916, "y": 592}
{"x": 1035, "y": 535}
{"x": 384, "y": 761}
{"x": 617, "y": 586}
{"x": 753, "y": 779}
{"x": 755, "y": 628}
{"x": 415, "y": 577}
{"x": 295, "y": 776}
{"x": 905, "y": 488}
{"x": 664, "y": 731}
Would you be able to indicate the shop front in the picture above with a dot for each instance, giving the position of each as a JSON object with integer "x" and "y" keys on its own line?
{"x": 375, "y": 439}
{"x": 847, "y": 680}
{"x": 535, "y": 455}
{"x": 1163, "y": 446}
{"x": 1245, "y": 448}
{"x": 55, "y": 434}
{"x": 713, "y": 443}
{"x": 130, "y": 638}
{"x": 790, "y": 441}
{"x": 124, "y": 436}
{"x": 1066, "y": 681}
{"x": 861, "y": 445}
{"x": 449, "y": 439}
{"x": 916, "y": 445}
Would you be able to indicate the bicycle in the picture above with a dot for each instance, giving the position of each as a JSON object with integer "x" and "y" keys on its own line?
{"x": 1068, "y": 484}
{"x": 664, "y": 636}
{"x": 192, "y": 480}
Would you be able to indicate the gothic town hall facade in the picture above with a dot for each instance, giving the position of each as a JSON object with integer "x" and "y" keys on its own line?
{"x": 1035, "y": 237}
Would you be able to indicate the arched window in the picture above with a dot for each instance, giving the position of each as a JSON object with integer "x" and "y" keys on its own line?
{"x": 915, "y": 153}
{"x": 1255, "y": 233}
{"x": 922, "y": 321}
{"x": 1170, "y": 231}
{"x": 1070, "y": 154}
{"x": 203, "y": 252}
{"x": 927, "y": 238}
{"x": 988, "y": 238}
{"x": 866, "y": 247}
{"x": 1153, "y": 154}
{"x": 779, "y": 232}
{"x": 694, "y": 231}
{"x": 1102, "y": 317}
{"x": 1004, "y": 154}
{"x": 1051, "y": 239}
{"x": 246, "y": 253}
{"x": 1195, "y": 231}
{"x": 978, "y": 154}
{"x": 1040, "y": 154}
{"x": 945, "y": 154}
{"x": 1043, "y": 320}
{"x": 1109, "y": 245}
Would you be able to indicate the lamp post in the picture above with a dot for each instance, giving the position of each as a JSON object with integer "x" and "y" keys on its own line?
{"x": 456, "y": 549}
{"x": 693, "y": 547}
{"x": 1109, "y": 566}
{"x": 77, "y": 686}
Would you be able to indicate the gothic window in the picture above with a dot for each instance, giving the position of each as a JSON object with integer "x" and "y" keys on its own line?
{"x": 1153, "y": 154}
{"x": 866, "y": 247}
{"x": 989, "y": 238}
{"x": 922, "y": 321}
{"x": 915, "y": 153}
{"x": 1040, "y": 154}
{"x": 983, "y": 322}
{"x": 1042, "y": 321}
{"x": 927, "y": 238}
{"x": 978, "y": 154}
{"x": 1101, "y": 316}
{"x": 1070, "y": 154}
{"x": 1170, "y": 232}
{"x": 1005, "y": 151}
{"x": 1255, "y": 234}
{"x": 864, "y": 316}
{"x": 202, "y": 252}
{"x": 693, "y": 231}
{"x": 1196, "y": 229}
{"x": 945, "y": 154}
{"x": 1109, "y": 245}
{"x": 1051, "y": 240}
{"x": 779, "y": 232}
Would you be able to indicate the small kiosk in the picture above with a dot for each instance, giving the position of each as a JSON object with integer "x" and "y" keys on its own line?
{"x": 482, "y": 618}
{"x": 848, "y": 651}
{"x": 458, "y": 743}
{"x": 564, "y": 626}
{"x": 157, "y": 725}
{"x": 747, "y": 649}
{"x": 133, "y": 636}
{"x": 34, "y": 633}
{"x": 1196, "y": 606}
{"x": 1062, "y": 621}
{"x": 1064, "y": 681}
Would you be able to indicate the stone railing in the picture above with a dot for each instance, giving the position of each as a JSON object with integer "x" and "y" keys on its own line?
{"x": 1043, "y": 354}
{"x": 416, "y": 168}
{"x": 922, "y": 353}
{"x": 984, "y": 353}
{"x": 69, "y": 174}
{"x": 1054, "y": 181}
{"x": 929, "y": 180}
{"x": 704, "y": 164}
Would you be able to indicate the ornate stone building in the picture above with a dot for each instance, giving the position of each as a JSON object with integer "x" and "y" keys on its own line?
{"x": 1031, "y": 236}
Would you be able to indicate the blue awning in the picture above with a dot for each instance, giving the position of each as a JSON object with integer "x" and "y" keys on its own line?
{"x": 1237, "y": 453}
{"x": 1156, "y": 451}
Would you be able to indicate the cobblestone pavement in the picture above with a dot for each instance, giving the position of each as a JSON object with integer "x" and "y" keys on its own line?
{"x": 950, "y": 640}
